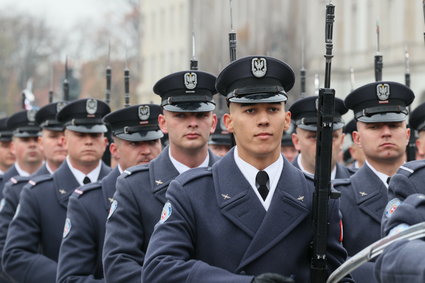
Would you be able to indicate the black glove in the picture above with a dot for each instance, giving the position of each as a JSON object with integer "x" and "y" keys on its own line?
{"x": 272, "y": 278}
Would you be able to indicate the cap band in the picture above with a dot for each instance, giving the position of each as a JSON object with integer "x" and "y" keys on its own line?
{"x": 135, "y": 129}
{"x": 313, "y": 120}
{"x": 81, "y": 122}
{"x": 381, "y": 109}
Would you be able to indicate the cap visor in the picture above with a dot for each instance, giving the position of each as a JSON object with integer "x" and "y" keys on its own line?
{"x": 191, "y": 107}
{"x": 88, "y": 129}
{"x": 259, "y": 98}
{"x": 141, "y": 136}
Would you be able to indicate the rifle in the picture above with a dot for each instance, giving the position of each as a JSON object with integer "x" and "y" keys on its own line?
{"x": 378, "y": 57}
{"x": 322, "y": 175}
{"x": 232, "y": 37}
{"x": 411, "y": 146}
{"x": 65, "y": 85}
{"x": 108, "y": 73}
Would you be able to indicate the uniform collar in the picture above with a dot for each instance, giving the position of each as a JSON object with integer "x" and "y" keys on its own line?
{"x": 383, "y": 177}
{"x": 79, "y": 176}
{"x": 274, "y": 171}
{"x": 21, "y": 171}
{"x": 182, "y": 167}
{"x": 333, "y": 172}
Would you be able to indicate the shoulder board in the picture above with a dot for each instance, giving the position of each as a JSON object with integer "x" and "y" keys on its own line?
{"x": 409, "y": 168}
{"x": 39, "y": 179}
{"x": 135, "y": 169}
{"x": 86, "y": 188}
{"x": 193, "y": 174}
{"x": 341, "y": 182}
{"x": 19, "y": 179}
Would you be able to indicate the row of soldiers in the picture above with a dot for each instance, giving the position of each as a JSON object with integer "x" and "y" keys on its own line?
{"x": 244, "y": 217}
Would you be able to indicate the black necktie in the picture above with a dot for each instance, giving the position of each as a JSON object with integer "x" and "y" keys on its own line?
{"x": 86, "y": 180}
{"x": 262, "y": 179}
{"x": 388, "y": 180}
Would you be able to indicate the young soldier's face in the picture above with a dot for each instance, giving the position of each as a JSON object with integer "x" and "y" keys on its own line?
{"x": 305, "y": 142}
{"x": 85, "y": 148}
{"x": 188, "y": 130}
{"x": 7, "y": 158}
{"x": 131, "y": 154}
{"x": 27, "y": 150}
{"x": 382, "y": 142}
{"x": 52, "y": 144}
{"x": 257, "y": 128}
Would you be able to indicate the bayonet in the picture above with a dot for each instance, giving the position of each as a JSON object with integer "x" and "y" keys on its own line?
{"x": 352, "y": 78}
{"x": 108, "y": 74}
{"x": 378, "y": 57}
{"x": 65, "y": 84}
{"x": 406, "y": 67}
{"x": 126, "y": 86}
{"x": 232, "y": 36}
{"x": 193, "y": 61}
{"x": 423, "y": 7}
{"x": 316, "y": 84}
{"x": 51, "y": 92}
{"x": 302, "y": 71}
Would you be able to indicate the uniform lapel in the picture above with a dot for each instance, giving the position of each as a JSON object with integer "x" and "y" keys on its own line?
{"x": 235, "y": 197}
{"x": 161, "y": 173}
{"x": 109, "y": 186}
{"x": 289, "y": 205}
{"x": 64, "y": 183}
{"x": 372, "y": 198}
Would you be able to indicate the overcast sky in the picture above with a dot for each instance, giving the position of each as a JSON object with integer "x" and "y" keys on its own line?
{"x": 64, "y": 13}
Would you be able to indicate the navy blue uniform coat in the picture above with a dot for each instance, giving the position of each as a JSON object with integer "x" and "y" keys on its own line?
{"x": 80, "y": 254}
{"x": 218, "y": 231}
{"x": 11, "y": 172}
{"x": 140, "y": 196}
{"x": 34, "y": 236}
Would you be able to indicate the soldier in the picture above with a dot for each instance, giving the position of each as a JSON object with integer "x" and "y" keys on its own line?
{"x": 304, "y": 115}
{"x": 25, "y": 145}
{"x": 287, "y": 146}
{"x": 188, "y": 119}
{"x": 417, "y": 122}
{"x": 51, "y": 142}
{"x": 136, "y": 140}
{"x": 380, "y": 109}
{"x": 220, "y": 141}
{"x": 35, "y": 233}
{"x": 216, "y": 225}
{"x": 7, "y": 158}
{"x": 403, "y": 261}
{"x": 356, "y": 152}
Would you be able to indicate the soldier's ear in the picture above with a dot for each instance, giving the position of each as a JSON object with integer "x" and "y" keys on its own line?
{"x": 162, "y": 123}
{"x": 227, "y": 119}
{"x": 214, "y": 123}
{"x": 356, "y": 138}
